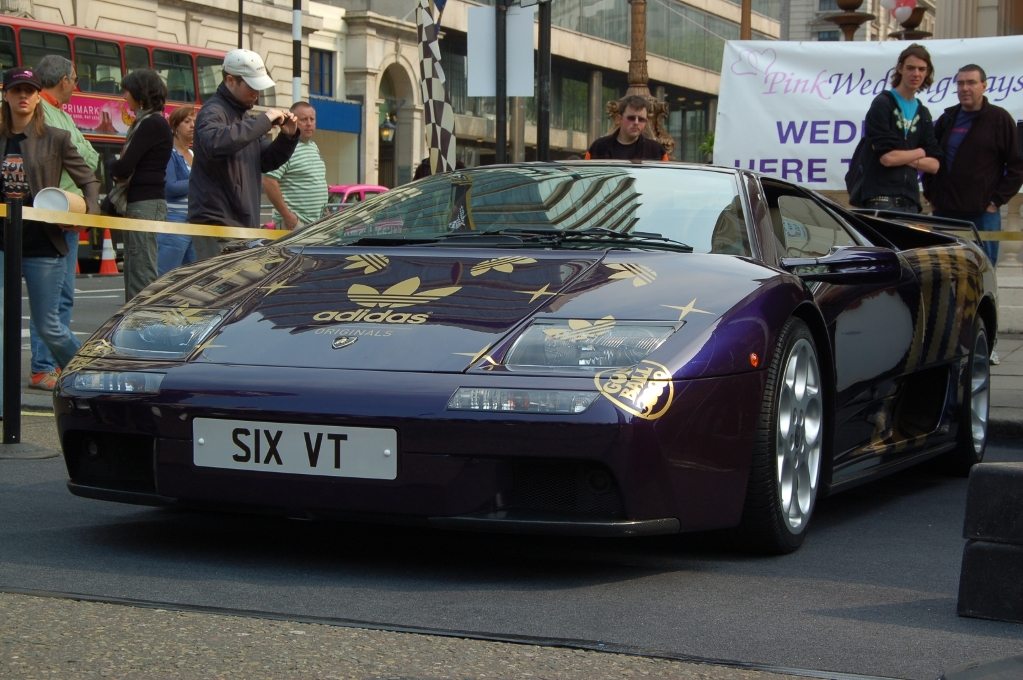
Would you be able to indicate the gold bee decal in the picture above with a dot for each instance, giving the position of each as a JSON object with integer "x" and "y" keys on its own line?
{"x": 403, "y": 294}
{"x": 368, "y": 263}
{"x": 639, "y": 274}
{"x": 645, "y": 390}
{"x": 581, "y": 329}
{"x": 505, "y": 265}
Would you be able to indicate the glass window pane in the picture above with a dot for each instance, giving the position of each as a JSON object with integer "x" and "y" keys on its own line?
{"x": 176, "y": 70}
{"x": 321, "y": 73}
{"x": 136, "y": 56}
{"x": 98, "y": 63}
{"x": 8, "y": 55}
{"x": 37, "y": 44}
{"x": 210, "y": 75}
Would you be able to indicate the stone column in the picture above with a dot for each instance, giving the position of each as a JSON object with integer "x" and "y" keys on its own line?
{"x": 956, "y": 19}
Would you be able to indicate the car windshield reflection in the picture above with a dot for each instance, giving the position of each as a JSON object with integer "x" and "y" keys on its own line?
{"x": 694, "y": 206}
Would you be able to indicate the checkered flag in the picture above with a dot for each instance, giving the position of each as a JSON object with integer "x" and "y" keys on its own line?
{"x": 440, "y": 117}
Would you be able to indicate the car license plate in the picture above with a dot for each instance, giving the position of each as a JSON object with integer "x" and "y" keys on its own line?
{"x": 362, "y": 452}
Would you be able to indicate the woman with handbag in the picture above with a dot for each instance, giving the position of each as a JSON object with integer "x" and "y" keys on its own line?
{"x": 140, "y": 174}
{"x": 34, "y": 156}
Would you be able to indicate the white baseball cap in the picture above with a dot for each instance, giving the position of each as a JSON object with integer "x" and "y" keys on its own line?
{"x": 249, "y": 67}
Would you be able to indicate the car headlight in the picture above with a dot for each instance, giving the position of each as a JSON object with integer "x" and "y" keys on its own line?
{"x": 521, "y": 400}
{"x": 586, "y": 344}
{"x": 127, "y": 382}
{"x": 163, "y": 333}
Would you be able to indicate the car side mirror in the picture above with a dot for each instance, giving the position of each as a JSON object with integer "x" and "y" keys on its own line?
{"x": 848, "y": 266}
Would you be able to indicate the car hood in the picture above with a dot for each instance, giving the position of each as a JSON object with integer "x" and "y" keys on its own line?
{"x": 420, "y": 308}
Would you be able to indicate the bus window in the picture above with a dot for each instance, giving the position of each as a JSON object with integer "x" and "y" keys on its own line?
{"x": 99, "y": 66}
{"x": 176, "y": 70}
{"x": 210, "y": 75}
{"x": 136, "y": 57}
{"x": 37, "y": 44}
{"x": 8, "y": 55}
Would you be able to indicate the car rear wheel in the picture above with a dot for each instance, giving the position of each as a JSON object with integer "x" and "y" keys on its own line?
{"x": 786, "y": 468}
{"x": 976, "y": 404}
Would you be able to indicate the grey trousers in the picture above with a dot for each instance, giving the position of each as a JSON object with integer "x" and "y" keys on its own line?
{"x": 140, "y": 247}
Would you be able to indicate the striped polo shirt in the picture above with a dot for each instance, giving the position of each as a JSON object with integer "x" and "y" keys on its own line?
{"x": 303, "y": 181}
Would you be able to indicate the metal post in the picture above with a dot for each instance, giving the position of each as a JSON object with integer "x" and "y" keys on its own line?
{"x": 296, "y": 51}
{"x": 240, "y": 13}
{"x": 12, "y": 323}
{"x": 501, "y": 38}
{"x": 543, "y": 113}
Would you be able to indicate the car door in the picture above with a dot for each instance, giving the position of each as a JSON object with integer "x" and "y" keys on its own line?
{"x": 874, "y": 329}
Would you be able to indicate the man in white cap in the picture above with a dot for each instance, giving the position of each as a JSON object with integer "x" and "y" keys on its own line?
{"x": 232, "y": 149}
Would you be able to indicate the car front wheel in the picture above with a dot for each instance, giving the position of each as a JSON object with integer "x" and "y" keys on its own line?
{"x": 785, "y": 472}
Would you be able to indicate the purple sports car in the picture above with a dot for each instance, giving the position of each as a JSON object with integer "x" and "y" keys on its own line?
{"x": 588, "y": 347}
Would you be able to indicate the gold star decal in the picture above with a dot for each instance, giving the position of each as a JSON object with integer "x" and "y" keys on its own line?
{"x": 477, "y": 356}
{"x": 537, "y": 294}
{"x": 686, "y": 310}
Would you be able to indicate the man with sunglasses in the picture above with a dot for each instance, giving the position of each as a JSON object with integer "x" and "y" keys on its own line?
{"x": 627, "y": 142}
{"x": 232, "y": 149}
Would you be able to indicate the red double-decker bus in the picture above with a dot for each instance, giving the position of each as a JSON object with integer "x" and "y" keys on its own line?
{"x": 102, "y": 59}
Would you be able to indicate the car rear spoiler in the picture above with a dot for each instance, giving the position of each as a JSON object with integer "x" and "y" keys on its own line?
{"x": 963, "y": 229}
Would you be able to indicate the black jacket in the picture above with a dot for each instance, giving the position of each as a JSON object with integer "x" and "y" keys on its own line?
{"x": 609, "y": 147}
{"x": 884, "y": 132}
{"x": 232, "y": 151}
{"x": 988, "y": 167}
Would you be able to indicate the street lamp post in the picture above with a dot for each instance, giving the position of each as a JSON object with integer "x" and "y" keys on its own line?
{"x": 639, "y": 79}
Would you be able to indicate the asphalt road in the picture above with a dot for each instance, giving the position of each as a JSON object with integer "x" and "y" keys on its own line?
{"x": 872, "y": 592}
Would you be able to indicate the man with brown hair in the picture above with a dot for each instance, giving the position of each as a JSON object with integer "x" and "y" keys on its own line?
{"x": 627, "y": 142}
{"x": 901, "y": 135}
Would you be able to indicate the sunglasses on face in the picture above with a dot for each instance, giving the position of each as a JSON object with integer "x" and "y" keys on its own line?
{"x": 635, "y": 119}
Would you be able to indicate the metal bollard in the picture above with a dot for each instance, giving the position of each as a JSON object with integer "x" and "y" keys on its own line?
{"x": 12, "y": 324}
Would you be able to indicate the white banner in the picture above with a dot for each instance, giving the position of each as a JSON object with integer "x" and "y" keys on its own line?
{"x": 795, "y": 110}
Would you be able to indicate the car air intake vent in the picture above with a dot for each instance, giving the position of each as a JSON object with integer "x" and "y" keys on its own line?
{"x": 578, "y": 490}
{"x": 113, "y": 461}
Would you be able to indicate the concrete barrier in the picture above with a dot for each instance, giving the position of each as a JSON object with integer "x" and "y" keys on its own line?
{"x": 991, "y": 577}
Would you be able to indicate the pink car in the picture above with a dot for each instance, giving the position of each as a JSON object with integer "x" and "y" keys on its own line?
{"x": 343, "y": 195}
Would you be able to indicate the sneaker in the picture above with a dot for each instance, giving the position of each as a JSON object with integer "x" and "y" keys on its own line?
{"x": 44, "y": 381}
{"x": 994, "y": 360}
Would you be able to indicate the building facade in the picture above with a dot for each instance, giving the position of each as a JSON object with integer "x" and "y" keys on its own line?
{"x": 360, "y": 68}
{"x": 809, "y": 20}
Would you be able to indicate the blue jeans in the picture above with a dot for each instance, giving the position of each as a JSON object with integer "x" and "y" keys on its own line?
{"x": 172, "y": 251}
{"x": 42, "y": 357}
{"x": 986, "y": 221}
{"x": 44, "y": 278}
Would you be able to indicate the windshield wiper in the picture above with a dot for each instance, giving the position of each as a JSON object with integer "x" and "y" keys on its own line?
{"x": 548, "y": 236}
{"x": 590, "y": 235}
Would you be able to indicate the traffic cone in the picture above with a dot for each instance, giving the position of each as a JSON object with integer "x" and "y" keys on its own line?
{"x": 108, "y": 263}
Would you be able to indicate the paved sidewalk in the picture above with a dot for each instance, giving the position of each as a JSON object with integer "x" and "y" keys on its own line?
{"x": 1007, "y": 388}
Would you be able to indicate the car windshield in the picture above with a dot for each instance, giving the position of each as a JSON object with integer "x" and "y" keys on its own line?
{"x": 694, "y": 206}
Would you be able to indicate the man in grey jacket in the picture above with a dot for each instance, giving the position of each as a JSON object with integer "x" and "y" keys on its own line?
{"x": 232, "y": 150}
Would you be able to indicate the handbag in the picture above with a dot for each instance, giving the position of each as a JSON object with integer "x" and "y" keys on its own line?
{"x": 857, "y": 171}
{"x": 116, "y": 201}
